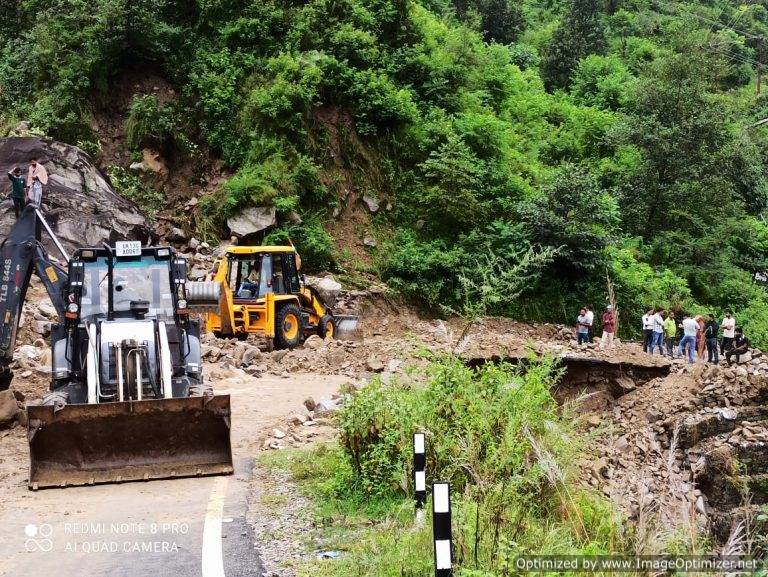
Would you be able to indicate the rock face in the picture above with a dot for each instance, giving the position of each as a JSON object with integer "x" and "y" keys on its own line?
{"x": 79, "y": 202}
{"x": 252, "y": 220}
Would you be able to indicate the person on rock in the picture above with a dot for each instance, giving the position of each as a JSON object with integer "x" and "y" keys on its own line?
{"x": 728, "y": 325}
{"x": 740, "y": 346}
{"x": 670, "y": 330}
{"x": 37, "y": 179}
{"x": 690, "y": 327}
{"x": 609, "y": 328}
{"x": 647, "y": 330}
{"x": 710, "y": 335}
{"x": 18, "y": 184}
{"x": 582, "y": 328}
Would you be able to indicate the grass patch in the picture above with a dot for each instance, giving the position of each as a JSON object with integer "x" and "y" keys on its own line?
{"x": 495, "y": 433}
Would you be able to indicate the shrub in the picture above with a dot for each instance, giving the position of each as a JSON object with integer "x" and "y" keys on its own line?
{"x": 131, "y": 187}
{"x": 495, "y": 433}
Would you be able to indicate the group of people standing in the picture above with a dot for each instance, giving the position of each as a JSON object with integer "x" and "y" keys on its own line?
{"x": 27, "y": 190}
{"x": 698, "y": 336}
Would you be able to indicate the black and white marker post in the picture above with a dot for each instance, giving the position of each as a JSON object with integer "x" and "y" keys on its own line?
{"x": 441, "y": 528}
{"x": 419, "y": 472}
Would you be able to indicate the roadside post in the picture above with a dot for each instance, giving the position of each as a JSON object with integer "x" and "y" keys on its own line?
{"x": 441, "y": 529}
{"x": 419, "y": 471}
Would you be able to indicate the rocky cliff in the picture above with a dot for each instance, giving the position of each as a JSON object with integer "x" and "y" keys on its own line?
{"x": 79, "y": 202}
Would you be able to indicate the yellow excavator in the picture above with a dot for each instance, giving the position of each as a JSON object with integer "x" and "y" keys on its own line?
{"x": 259, "y": 290}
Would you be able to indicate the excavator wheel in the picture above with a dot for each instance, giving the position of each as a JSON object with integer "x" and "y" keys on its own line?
{"x": 326, "y": 327}
{"x": 288, "y": 327}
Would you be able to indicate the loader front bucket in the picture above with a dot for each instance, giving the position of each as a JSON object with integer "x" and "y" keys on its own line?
{"x": 129, "y": 441}
{"x": 347, "y": 327}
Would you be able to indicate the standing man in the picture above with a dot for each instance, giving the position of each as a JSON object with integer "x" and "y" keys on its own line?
{"x": 728, "y": 324}
{"x": 37, "y": 179}
{"x": 647, "y": 329}
{"x": 690, "y": 326}
{"x": 609, "y": 327}
{"x": 657, "y": 339}
{"x": 18, "y": 184}
{"x": 710, "y": 335}
{"x": 582, "y": 328}
{"x": 740, "y": 346}
{"x": 590, "y": 321}
{"x": 670, "y": 330}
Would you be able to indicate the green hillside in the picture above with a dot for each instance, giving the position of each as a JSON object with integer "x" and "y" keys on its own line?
{"x": 557, "y": 140}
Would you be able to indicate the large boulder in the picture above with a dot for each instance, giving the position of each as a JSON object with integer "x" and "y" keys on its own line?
{"x": 252, "y": 220}
{"x": 79, "y": 202}
{"x": 8, "y": 407}
{"x": 327, "y": 288}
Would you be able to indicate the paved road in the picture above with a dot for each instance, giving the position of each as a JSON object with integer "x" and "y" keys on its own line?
{"x": 185, "y": 527}
{"x": 177, "y": 528}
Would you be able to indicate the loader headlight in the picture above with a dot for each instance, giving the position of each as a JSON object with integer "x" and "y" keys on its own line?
{"x": 182, "y": 304}
{"x": 72, "y": 308}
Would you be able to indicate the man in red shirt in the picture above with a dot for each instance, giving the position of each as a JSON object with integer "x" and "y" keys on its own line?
{"x": 609, "y": 327}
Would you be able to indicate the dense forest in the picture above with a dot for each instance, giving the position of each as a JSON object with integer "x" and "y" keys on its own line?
{"x": 532, "y": 147}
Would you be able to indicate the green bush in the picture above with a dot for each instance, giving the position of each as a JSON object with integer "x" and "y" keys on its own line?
{"x": 130, "y": 186}
{"x": 313, "y": 243}
{"x": 496, "y": 434}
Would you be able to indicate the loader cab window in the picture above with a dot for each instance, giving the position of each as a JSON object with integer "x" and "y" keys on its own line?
{"x": 248, "y": 278}
{"x": 278, "y": 275}
{"x": 252, "y": 278}
{"x": 142, "y": 278}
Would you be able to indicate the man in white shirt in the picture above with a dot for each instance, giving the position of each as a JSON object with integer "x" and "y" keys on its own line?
{"x": 690, "y": 326}
{"x": 728, "y": 325}
{"x": 657, "y": 338}
{"x": 590, "y": 320}
{"x": 647, "y": 329}
{"x": 37, "y": 179}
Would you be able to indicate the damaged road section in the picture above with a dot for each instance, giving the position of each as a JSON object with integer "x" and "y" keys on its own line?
{"x": 598, "y": 381}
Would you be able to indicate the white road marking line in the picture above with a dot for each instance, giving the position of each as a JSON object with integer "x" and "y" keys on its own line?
{"x": 213, "y": 557}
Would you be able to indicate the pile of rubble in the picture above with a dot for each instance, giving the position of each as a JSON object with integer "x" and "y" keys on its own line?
{"x": 692, "y": 445}
{"x": 348, "y": 358}
{"x": 308, "y": 423}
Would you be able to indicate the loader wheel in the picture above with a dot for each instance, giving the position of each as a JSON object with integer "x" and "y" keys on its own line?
{"x": 326, "y": 327}
{"x": 288, "y": 327}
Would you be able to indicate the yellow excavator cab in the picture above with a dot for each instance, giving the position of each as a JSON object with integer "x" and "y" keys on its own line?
{"x": 259, "y": 290}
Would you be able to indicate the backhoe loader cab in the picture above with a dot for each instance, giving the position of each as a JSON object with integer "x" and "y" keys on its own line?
{"x": 258, "y": 290}
{"x": 133, "y": 299}
{"x": 127, "y": 399}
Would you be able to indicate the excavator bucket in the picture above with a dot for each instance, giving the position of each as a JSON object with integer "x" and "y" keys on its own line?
{"x": 129, "y": 441}
{"x": 347, "y": 327}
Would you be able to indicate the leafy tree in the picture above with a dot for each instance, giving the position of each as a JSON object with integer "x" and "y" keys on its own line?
{"x": 602, "y": 81}
{"x": 575, "y": 216}
{"x": 453, "y": 177}
{"x": 501, "y": 21}
{"x": 581, "y": 33}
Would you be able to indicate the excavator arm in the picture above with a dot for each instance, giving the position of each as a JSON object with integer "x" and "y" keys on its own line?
{"x": 22, "y": 254}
